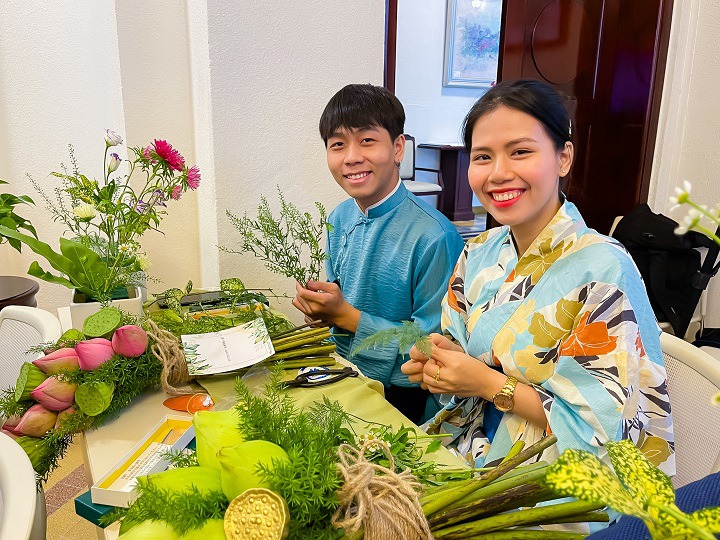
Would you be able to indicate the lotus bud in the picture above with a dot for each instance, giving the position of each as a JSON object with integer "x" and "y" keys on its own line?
{"x": 54, "y": 394}
{"x": 36, "y": 421}
{"x": 112, "y": 138}
{"x": 62, "y": 415}
{"x": 52, "y": 363}
{"x": 213, "y": 431}
{"x": 93, "y": 353}
{"x": 150, "y": 530}
{"x": 114, "y": 162}
{"x": 129, "y": 341}
{"x": 11, "y": 423}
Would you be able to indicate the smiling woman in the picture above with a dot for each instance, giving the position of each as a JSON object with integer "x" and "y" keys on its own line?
{"x": 552, "y": 329}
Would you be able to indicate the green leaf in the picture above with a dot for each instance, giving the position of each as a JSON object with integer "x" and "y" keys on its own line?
{"x": 36, "y": 271}
{"x": 86, "y": 266}
{"x": 707, "y": 518}
{"x": 433, "y": 446}
{"x": 580, "y": 474}
{"x": 407, "y": 335}
{"x": 641, "y": 478}
{"x": 56, "y": 260}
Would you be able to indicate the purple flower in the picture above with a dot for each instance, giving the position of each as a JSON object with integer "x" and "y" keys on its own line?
{"x": 159, "y": 198}
{"x": 140, "y": 207}
{"x": 114, "y": 162}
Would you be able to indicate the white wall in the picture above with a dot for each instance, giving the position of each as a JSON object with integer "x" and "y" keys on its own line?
{"x": 59, "y": 84}
{"x": 272, "y": 71}
{"x": 689, "y": 125}
{"x": 434, "y": 113}
{"x": 237, "y": 87}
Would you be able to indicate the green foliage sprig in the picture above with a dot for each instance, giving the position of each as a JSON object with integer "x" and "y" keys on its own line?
{"x": 290, "y": 244}
{"x": 183, "y": 511}
{"x": 309, "y": 479}
{"x": 406, "y": 336}
{"x": 637, "y": 489}
{"x": 11, "y": 220}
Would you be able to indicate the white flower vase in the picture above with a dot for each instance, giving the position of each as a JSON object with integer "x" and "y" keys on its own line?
{"x": 79, "y": 311}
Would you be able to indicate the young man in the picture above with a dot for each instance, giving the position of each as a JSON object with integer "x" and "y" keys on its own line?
{"x": 390, "y": 254}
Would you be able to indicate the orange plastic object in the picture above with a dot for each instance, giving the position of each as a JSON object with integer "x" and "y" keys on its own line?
{"x": 190, "y": 403}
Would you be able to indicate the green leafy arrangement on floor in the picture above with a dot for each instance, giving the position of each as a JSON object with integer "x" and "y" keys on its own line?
{"x": 290, "y": 244}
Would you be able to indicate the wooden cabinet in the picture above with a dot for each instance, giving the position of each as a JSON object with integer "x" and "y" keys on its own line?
{"x": 456, "y": 197}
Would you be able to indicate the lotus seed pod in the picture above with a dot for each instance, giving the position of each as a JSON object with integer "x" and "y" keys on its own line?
{"x": 102, "y": 323}
{"x": 257, "y": 514}
{"x": 29, "y": 379}
{"x": 93, "y": 398}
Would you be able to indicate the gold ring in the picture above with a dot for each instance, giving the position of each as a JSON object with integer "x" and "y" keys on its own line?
{"x": 437, "y": 376}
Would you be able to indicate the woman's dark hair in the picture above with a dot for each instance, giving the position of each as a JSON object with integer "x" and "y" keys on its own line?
{"x": 361, "y": 106}
{"x": 536, "y": 98}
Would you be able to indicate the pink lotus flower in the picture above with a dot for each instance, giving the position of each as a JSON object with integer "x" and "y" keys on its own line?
{"x": 169, "y": 155}
{"x": 62, "y": 414}
{"x": 36, "y": 421}
{"x": 11, "y": 424}
{"x": 93, "y": 353}
{"x": 193, "y": 177}
{"x": 52, "y": 363}
{"x": 129, "y": 341}
{"x": 54, "y": 394}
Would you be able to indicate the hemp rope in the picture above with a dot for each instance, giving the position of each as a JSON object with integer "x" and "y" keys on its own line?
{"x": 168, "y": 350}
{"x": 376, "y": 499}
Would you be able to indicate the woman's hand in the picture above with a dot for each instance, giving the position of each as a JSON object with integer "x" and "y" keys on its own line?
{"x": 413, "y": 368}
{"x": 454, "y": 372}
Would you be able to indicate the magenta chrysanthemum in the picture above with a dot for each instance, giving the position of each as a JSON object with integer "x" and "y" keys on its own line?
{"x": 176, "y": 193}
{"x": 169, "y": 155}
{"x": 193, "y": 177}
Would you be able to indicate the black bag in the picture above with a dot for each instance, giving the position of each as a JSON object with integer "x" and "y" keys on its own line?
{"x": 671, "y": 266}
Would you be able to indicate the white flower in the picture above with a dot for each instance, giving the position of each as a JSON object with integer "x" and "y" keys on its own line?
{"x": 84, "y": 211}
{"x": 689, "y": 221}
{"x": 682, "y": 195}
{"x": 143, "y": 261}
{"x": 114, "y": 162}
{"x": 112, "y": 138}
{"x": 126, "y": 248}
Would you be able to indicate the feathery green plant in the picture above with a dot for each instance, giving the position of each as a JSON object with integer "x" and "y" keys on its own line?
{"x": 407, "y": 335}
{"x": 290, "y": 244}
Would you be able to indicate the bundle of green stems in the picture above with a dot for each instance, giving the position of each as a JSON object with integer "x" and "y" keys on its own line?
{"x": 501, "y": 503}
{"x": 303, "y": 346}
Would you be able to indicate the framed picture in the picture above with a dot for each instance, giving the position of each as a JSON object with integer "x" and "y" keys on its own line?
{"x": 472, "y": 42}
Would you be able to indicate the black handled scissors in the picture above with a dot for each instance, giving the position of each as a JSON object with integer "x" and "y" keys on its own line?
{"x": 305, "y": 380}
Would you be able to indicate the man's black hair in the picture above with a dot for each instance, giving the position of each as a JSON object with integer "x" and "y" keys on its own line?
{"x": 360, "y": 106}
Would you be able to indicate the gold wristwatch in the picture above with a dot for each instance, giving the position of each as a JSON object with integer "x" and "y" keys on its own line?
{"x": 504, "y": 400}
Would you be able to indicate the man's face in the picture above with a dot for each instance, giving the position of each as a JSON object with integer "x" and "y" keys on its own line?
{"x": 364, "y": 162}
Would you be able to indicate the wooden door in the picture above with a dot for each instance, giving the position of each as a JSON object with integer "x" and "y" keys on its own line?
{"x": 608, "y": 57}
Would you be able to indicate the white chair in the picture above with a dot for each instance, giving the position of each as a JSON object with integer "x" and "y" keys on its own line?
{"x": 21, "y": 328}
{"x": 693, "y": 381}
{"x": 17, "y": 490}
{"x": 407, "y": 173}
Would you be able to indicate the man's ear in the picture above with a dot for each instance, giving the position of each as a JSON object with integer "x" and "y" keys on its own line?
{"x": 399, "y": 146}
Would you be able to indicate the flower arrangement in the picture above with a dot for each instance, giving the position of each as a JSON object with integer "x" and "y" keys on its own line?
{"x": 81, "y": 381}
{"x": 106, "y": 219}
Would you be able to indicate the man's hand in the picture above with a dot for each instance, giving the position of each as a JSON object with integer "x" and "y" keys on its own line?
{"x": 324, "y": 301}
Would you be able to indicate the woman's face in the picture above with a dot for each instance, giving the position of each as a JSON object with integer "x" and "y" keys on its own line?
{"x": 515, "y": 169}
